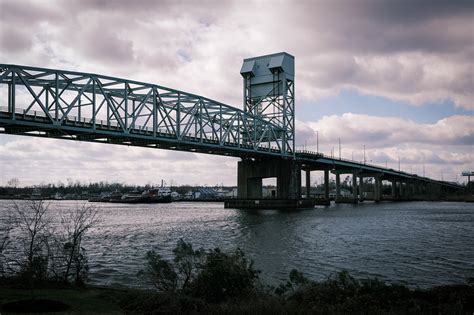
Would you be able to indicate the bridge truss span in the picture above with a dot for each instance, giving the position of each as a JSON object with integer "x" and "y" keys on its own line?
{"x": 96, "y": 108}
{"x": 91, "y": 107}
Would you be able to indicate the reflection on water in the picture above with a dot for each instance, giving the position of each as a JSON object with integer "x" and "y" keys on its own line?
{"x": 420, "y": 243}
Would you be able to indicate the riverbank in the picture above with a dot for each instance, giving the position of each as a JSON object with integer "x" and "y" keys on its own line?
{"x": 339, "y": 294}
{"x": 319, "y": 201}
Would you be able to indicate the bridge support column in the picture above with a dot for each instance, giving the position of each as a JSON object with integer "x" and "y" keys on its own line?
{"x": 308, "y": 184}
{"x": 361, "y": 188}
{"x": 378, "y": 189}
{"x": 254, "y": 188}
{"x": 400, "y": 189}
{"x": 412, "y": 189}
{"x": 326, "y": 186}
{"x": 354, "y": 187}
{"x": 422, "y": 189}
{"x": 251, "y": 172}
{"x": 418, "y": 188}
{"x": 338, "y": 187}
{"x": 394, "y": 189}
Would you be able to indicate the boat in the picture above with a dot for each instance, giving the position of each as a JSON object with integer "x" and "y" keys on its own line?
{"x": 153, "y": 195}
{"x": 106, "y": 197}
{"x": 143, "y": 199}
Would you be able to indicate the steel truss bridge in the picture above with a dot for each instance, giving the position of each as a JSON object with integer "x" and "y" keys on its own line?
{"x": 89, "y": 107}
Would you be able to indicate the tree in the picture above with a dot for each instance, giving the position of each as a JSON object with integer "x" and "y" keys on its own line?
{"x": 187, "y": 262}
{"x": 6, "y": 225}
{"x": 76, "y": 223}
{"x": 33, "y": 222}
{"x": 13, "y": 183}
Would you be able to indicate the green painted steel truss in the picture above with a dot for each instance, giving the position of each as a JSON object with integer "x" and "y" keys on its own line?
{"x": 90, "y": 107}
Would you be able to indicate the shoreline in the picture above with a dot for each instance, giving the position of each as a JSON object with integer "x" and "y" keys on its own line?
{"x": 467, "y": 199}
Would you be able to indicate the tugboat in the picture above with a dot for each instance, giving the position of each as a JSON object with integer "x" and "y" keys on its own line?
{"x": 106, "y": 197}
{"x": 148, "y": 196}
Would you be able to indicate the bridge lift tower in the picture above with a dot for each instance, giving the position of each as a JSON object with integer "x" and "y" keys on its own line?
{"x": 269, "y": 93}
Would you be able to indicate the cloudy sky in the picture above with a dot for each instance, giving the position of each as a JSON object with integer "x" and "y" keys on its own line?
{"x": 395, "y": 76}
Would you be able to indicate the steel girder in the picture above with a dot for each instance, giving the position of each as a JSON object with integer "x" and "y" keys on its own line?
{"x": 87, "y": 103}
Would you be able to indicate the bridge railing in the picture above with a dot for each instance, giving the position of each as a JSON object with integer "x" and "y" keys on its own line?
{"x": 322, "y": 155}
{"x": 318, "y": 155}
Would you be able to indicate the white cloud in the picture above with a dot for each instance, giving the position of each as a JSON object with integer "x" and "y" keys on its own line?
{"x": 446, "y": 146}
{"x": 412, "y": 51}
{"x": 39, "y": 160}
{"x": 386, "y": 131}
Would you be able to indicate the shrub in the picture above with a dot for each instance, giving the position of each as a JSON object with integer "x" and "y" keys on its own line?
{"x": 211, "y": 275}
{"x": 224, "y": 276}
{"x": 159, "y": 272}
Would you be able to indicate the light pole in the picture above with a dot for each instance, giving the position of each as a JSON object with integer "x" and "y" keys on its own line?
{"x": 317, "y": 142}
{"x": 339, "y": 148}
{"x": 364, "y": 153}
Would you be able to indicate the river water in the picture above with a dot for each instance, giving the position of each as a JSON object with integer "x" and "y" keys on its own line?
{"x": 417, "y": 243}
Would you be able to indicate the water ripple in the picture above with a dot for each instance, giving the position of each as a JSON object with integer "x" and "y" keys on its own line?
{"x": 420, "y": 244}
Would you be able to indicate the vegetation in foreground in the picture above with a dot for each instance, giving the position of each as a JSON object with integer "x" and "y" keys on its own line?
{"x": 214, "y": 281}
{"x": 50, "y": 270}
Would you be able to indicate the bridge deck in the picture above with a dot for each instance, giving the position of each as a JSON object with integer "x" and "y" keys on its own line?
{"x": 88, "y": 107}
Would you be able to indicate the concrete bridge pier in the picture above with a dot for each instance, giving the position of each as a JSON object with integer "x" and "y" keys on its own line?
{"x": 417, "y": 188}
{"x": 361, "y": 188}
{"x": 251, "y": 172}
{"x": 326, "y": 187}
{"x": 378, "y": 189}
{"x": 308, "y": 184}
{"x": 346, "y": 199}
{"x": 354, "y": 187}
{"x": 394, "y": 189}
{"x": 412, "y": 189}
{"x": 338, "y": 187}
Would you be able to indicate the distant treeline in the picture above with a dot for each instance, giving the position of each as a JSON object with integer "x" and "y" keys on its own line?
{"x": 78, "y": 188}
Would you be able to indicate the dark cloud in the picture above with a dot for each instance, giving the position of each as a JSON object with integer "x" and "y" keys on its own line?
{"x": 388, "y": 48}
{"x": 106, "y": 46}
{"x": 14, "y": 40}
{"x": 23, "y": 13}
{"x": 466, "y": 140}
{"x": 414, "y": 11}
